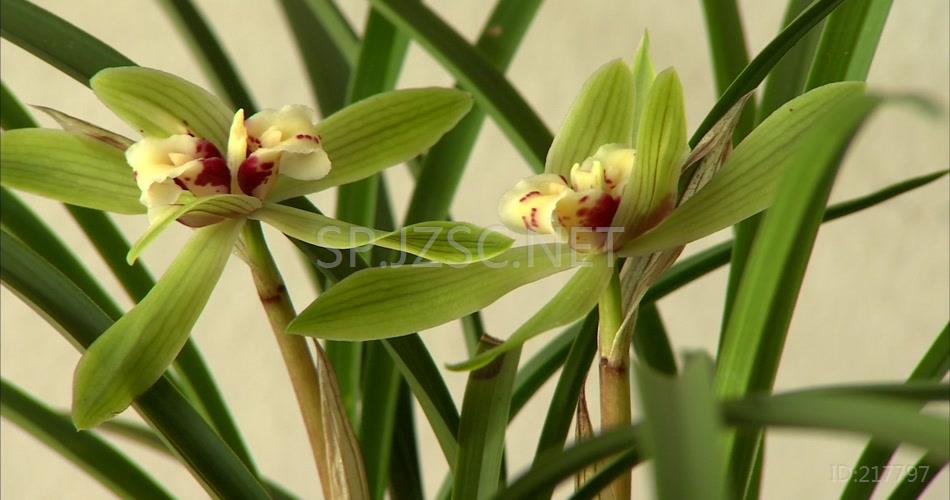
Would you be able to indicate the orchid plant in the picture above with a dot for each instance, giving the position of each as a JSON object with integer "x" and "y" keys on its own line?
{"x": 616, "y": 195}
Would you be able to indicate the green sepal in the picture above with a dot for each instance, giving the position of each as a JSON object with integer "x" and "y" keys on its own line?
{"x": 438, "y": 241}
{"x": 159, "y": 104}
{"x": 205, "y": 210}
{"x": 380, "y": 303}
{"x": 71, "y": 168}
{"x": 572, "y": 302}
{"x": 601, "y": 114}
{"x": 379, "y": 132}
{"x": 134, "y": 352}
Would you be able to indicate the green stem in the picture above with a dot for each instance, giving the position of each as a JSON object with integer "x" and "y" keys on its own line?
{"x": 614, "y": 377}
{"x": 294, "y": 350}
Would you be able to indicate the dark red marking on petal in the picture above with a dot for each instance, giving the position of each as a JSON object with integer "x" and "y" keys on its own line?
{"x": 251, "y": 175}
{"x": 584, "y": 198}
{"x": 215, "y": 172}
{"x": 267, "y": 166}
{"x": 180, "y": 183}
{"x": 529, "y": 195}
{"x": 600, "y": 214}
{"x": 524, "y": 220}
{"x": 206, "y": 149}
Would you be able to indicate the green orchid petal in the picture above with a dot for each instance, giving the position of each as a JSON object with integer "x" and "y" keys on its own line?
{"x": 746, "y": 183}
{"x": 602, "y": 114}
{"x": 160, "y": 104}
{"x": 134, "y": 352}
{"x": 643, "y": 75}
{"x": 440, "y": 241}
{"x": 196, "y": 212}
{"x": 650, "y": 192}
{"x": 71, "y": 168}
{"x": 379, "y": 132}
{"x": 571, "y": 303}
{"x": 74, "y": 125}
{"x": 381, "y": 303}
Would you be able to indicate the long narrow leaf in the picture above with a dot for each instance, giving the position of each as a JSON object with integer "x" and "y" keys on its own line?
{"x": 77, "y": 317}
{"x": 932, "y": 366}
{"x": 212, "y": 55}
{"x": 848, "y": 42}
{"x": 476, "y": 74}
{"x": 755, "y": 335}
{"x": 760, "y": 66}
{"x": 93, "y": 455}
{"x": 481, "y": 438}
{"x": 66, "y": 47}
{"x": 682, "y": 431}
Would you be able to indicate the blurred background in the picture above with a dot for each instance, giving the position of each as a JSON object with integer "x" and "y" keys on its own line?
{"x": 875, "y": 295}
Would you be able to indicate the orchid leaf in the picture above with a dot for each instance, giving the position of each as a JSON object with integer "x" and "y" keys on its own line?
{"x": 134, "y": 352}
{"x": 75, "y": 125}
{"x": 682, "y": 430}
{"x": 661, "y": 148}
{"x": 380, "y": 303}
{"x": 160, "y": 104}
{"x": 220, "y": 206}
{"x": 439, "y": 241}
{"x": 70, "y": 168}
{"x": 571, "y": 303}
{"x": 379, "y": 132}
{"x": 602, "y": 114}
{"x": 643, "y": 76}
{"x": 748, "y": 180}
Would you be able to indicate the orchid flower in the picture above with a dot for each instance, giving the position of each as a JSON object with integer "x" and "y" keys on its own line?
{"x": 208, "y": 167}
{"x": 620, "y": 181}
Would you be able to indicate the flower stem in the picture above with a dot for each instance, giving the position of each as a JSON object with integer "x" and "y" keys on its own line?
{"x": 614, "y": 378}
{"x": 303, "y": 372}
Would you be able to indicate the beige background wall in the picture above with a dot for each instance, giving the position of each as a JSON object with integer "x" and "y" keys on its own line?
{"x": 875, "y": 295}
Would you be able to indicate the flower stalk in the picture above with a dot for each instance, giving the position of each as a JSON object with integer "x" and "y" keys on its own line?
{"x": 614, "y": 376}
{"x": 341, "y": 470}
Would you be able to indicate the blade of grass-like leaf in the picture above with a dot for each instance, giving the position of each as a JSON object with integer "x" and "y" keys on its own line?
{"x": 555, "y": 466}
{"x": 186, "y": 16}
{"x": 484, "y": 419}
{"x": 888, "y": 420}
{"x": 607, "y": 474}
{"x": 66, "y": 47}
{"x": 682, "y": 430}
{"x": 729, "y": 53}
{"x": 328, "y": 65}
{"x": 932, "y": 366}
{"x": 12, "y": 113}
{"x": 105, "y": 236}
{"x": 848, "y": 42}
{"x": 475, "y": 73}
{"x": 650, "y": 341}
{"x": 84, "y": 449}
{"x": 537, "y": 370}
{"x": 376, "y": 430}
{"x": 339, "y": 31}
{"x": 405, "y": 475}
{"x": 557, "y": 421}
{"x": 21, "y": 222}
{"x": 883, "y": 418}
{"x": 754, "y": 337}
{"x": 71, "y": 312}
{"x": 759, "y": 67}
{"x": 787, "y": 78}
{"x": 444, "y": 163}
{"x": 700, "y": 264}
{"x": 917, "y": 478}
